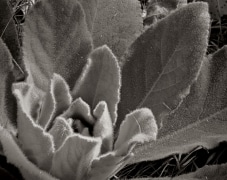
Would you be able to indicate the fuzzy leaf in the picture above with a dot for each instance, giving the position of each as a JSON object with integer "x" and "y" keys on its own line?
{"x": 164, "y": 61}
{"x": 138, "y": 127}
{"x": 9, "y": 35}
{"x": 201, "y": 118}
{"x": 100, "y": 81}
{"x": 90, "y": 9}
{"x": 103, "y": 127}
{"x": 56, "y": 40}
{"x": 117, "y": 24}
{"x": 36, "y": 144}
{"x": 15, "y": 156}
{"x": 60, "y": 130}
{"x": 79, "y": 109}
{"x": 108, "y": 165}
{"x": 31, "y": 98}
{"x": 73, "y": 159}
{"x": 57, "y": 100}
{"x": 5, "y": 69}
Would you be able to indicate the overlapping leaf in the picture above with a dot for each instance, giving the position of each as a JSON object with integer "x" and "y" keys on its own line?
{"x": 100, "y": 81}
{"x": 56, "y": 40}
{"x": 164, "y": 61}
{"x": 17, "y": 157}
{"x": 117, "y": 24}
{"x": 200, "y": 120}
{"x": 90, "y": 9}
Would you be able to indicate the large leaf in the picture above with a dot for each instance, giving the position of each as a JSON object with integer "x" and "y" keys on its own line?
{"x": 90, "y": 9}
{"x": 56, "y": 40}
{"x": 15, "y": 156}
{"x": 100, "y": 81}
{"x": 200, "y": 120}
{"x": 9, "y": 35}
{"x": 164, "y": 61}
{"x": 5, "y": 69}
{"x": 74, "y": 157}
{"x": 36, "y": 144}
{"x": 117, "y": 24}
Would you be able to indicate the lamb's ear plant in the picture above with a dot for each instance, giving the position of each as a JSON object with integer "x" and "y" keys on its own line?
{"x": 69, "y": 124}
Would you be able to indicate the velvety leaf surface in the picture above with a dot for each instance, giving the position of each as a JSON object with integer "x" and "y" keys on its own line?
{"x": 200, "y": 120}
{"x": 15, "y": 156}
{"x": 117, "y": 24}
{"x": 56, "y": 40}
{"x": 164, "y": 61}
{"x": 100, "y": 81}
{"x": 60, "y": 130}
{"x": 73, "y": 159}
{"x": 103, "y": 127}
{"x": 9, "y": 35}
{"x": 140, "y": 121}
{"x": 90, "y": 9}
{"x": 6, "y": 67}
{"x": 31, "y": 98}
{"x": 56, "y": 101}
{"x": 36, "y": 144}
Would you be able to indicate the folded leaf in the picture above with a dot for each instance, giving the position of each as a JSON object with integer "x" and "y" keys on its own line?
{"x": 79, "y": 110}
{"x": 15, "y": 156}
{"x": 56, "y": 40}
{"x": 73, "y": 159}
{"x": 36, "y": 144}
{"x": 60, "y": 130}
{"x": 100, "y": 81}
{"x": 200, "y": 120}
{"x": 90, "y": 9}
{"x": 57, "y": 100}
{"x": 164, "y": 61}
{"x": 117, "y": 24}
{"x": 31, "y": 98}
{"x": 138, "y": 127}
{"x": 5, "y": 69}
{"x": 103, "y": 127}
